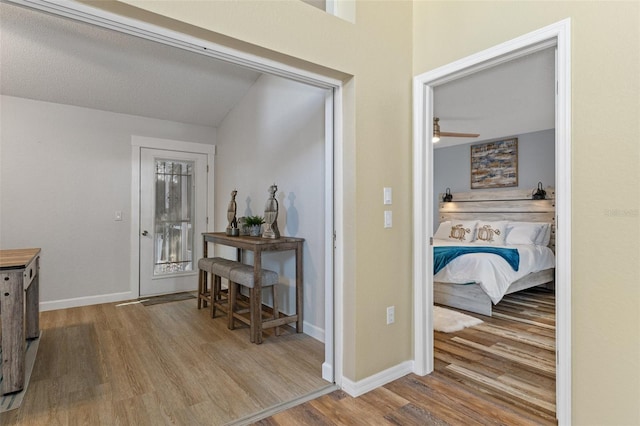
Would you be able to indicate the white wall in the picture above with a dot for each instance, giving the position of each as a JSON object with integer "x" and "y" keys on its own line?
{"x": 536, "y": 163}
{"x": 276, "y": 134}
{"x": 64, "y": 171}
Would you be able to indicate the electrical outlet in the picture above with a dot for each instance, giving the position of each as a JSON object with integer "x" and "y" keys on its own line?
{"x": 391, "y": 314}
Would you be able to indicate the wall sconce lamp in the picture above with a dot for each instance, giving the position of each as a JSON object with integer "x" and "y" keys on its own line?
{"x": 436, "y": 130}
{"x": 447, "y": 197}
{"x": 539, "y": 193}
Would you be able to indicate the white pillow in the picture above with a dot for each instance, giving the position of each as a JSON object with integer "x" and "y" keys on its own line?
{"x": 444, "y": 229}
{"x": 462, "y": 231}
{"x": 544, "y": 237}
{"x": 491, "y": 232}
{"x": 524, "y": 232}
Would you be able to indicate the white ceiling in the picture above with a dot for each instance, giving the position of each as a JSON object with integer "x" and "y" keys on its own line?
{"x": 513, "y": 98}
{"x": 54, "y": 59}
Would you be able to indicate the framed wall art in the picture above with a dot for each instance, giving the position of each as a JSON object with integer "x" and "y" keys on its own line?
{"x": 494, "y": 164}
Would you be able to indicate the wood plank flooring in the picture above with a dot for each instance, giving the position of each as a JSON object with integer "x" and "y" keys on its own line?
{"x": 162, "y": 364}
{"x": 500, "y": 372}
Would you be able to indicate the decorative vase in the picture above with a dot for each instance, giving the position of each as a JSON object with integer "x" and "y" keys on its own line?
{"x": 255, "y": 230}
{"x": 244, "y": 229}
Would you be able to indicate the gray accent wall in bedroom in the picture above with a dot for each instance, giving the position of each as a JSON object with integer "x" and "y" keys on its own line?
{"x": 536, "y": 163}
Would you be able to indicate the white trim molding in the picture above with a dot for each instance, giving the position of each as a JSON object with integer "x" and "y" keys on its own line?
{"x": 558, "y": 35}
{"x": 313, "y": 331}
{"x": 331, "y": 103}
{"x": 370, "y": 383}
{"x": 85, "y": 301}
{"x": 87, "y": 13}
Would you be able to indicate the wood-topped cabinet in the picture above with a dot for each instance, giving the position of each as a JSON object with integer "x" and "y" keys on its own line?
{"x": 20, "y": 312}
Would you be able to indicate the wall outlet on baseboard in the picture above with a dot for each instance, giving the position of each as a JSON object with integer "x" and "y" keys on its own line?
{"x": 391, "y": 314}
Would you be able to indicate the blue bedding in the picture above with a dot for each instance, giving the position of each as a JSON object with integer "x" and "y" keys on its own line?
{"x": 442, "y": 255}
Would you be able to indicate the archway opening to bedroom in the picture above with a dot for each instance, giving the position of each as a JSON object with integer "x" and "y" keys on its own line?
{"x": 512, "y": 108}
{"x": 553, "y": 39}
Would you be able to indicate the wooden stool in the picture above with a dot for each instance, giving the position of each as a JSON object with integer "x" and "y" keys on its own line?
{"x": 204, "y": 294}
{"x": 243, "y": 275}
{"x": 217, "y": 267}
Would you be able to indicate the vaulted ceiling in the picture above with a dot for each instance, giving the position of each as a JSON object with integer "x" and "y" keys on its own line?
{"x": 55, "y": 59}
{"x": 59, "y": 60}
{"x": 513, "y": 98}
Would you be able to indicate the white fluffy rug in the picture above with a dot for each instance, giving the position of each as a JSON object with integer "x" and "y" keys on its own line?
{"x": 449, "y": 321}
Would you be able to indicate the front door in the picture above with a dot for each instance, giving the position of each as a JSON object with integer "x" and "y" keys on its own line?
{"x": 173, "y": 206}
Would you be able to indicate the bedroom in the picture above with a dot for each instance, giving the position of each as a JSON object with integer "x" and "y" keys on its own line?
{"x": 509, "y": 108}
{"x": 514, "y": 100}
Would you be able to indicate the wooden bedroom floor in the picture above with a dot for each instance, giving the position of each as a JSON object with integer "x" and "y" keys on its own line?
{"x": 500, "y": 372}
{"x": 163, "y": 364}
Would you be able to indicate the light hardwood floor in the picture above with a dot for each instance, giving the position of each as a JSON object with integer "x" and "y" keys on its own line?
{"x": 500, "y": 372}
{"x": 162, "y": 364}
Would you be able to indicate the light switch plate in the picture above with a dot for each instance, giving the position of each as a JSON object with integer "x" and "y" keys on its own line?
{"x": 388, "y": 219}
{"x": 387, "y": 195}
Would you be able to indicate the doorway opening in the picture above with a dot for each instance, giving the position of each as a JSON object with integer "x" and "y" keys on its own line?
{"x": 164, "y": 232}
{"x": 330, "y": 152}
{"x": 557, "y": 35}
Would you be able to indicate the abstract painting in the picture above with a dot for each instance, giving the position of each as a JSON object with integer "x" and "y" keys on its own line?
{"x": 494, "y": 164}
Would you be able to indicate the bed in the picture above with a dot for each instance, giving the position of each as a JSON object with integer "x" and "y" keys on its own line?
{"x": 507, "y": 224}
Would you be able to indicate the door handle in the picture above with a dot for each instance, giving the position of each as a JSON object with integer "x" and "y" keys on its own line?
{"x": 145, "y": 233}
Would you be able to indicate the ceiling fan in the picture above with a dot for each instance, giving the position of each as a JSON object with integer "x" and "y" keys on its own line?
{"x": 437, "y": 134}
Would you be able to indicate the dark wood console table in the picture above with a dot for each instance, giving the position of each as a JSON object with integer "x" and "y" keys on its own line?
{"x": 258, "y": 245}
{"x": 20, "y": 312}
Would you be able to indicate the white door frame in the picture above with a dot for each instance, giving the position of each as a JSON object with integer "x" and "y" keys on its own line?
{"x": 334, "y": 246}
{"x": 137, "y": 144}
{"x": 557, "y": 34}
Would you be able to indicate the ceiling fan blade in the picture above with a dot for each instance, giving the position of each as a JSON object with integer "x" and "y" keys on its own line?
{"x": 459, "y": 135}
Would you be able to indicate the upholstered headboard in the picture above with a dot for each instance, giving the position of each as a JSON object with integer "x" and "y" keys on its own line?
{"x": 512, "y": 205}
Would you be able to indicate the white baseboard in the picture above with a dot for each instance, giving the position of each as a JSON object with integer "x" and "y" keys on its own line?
{"x": 327, "y": 372}
{"x": 309, "y": 329}
{"x": 363, "y": 386}
{"x": 85, "y": 301}
{"x": 313, "y": 331}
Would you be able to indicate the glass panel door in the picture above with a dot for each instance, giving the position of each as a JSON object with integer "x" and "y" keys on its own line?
{"x": 173, "y": 206}
{"x": 173, "y": 245}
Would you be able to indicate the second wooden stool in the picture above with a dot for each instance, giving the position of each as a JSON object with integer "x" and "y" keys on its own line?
{"x": 243, "y": 275}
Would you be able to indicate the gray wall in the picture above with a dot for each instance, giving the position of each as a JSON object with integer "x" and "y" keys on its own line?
{"x": 276, "y": 135}
{"x": 64, "y": 171}
{"x": 536, "y": 163}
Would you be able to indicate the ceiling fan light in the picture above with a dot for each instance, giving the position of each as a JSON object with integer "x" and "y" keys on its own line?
{"x": 436, "y": 130}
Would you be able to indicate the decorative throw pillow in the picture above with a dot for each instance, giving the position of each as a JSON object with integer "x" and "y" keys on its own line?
{"x": 463, "y": 231}
{"x": 492, "y": 233}
{"x": 524, "y": 232}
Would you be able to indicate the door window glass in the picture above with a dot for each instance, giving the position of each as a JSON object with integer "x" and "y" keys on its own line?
{"x": 173, "y": 225}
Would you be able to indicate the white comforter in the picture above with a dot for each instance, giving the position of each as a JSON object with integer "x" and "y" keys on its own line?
{"x": 492, "y": 272}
